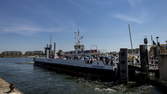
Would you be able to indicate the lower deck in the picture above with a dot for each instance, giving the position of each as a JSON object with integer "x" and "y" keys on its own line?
{"x": 88, "y": 71}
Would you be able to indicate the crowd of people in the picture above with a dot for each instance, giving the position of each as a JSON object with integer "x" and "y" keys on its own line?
{"x": 106, "y": 60}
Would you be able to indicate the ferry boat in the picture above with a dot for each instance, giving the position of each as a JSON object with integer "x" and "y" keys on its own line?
{"x": 80, "y": 62}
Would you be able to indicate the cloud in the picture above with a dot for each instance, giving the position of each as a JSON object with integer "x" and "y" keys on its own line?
{"x": 138, "y": 20}
{"x": 30, "y": 29}
{"x": 134, "y": 3}
{"x": 80, "y": 6}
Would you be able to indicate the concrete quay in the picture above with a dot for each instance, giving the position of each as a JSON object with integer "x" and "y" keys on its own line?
{"x": 7, "y": 88}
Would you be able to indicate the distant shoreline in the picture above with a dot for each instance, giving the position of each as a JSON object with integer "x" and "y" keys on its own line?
{"x": 19, "y": 56}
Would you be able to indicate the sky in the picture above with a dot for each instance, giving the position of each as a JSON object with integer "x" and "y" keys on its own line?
{"x": 27, "y": 25}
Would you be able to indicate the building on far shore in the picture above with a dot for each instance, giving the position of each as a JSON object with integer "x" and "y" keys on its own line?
{"x": 20, "y": 54}
{"x": 34, "y": 53}
{"x": 163, "y": 49}
{"x": 155, "y": 51}
{"x": 11, "y": 54}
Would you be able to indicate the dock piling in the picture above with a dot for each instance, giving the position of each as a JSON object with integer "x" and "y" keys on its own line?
{"x": 144, "y": 61}
{"x": 123, "y": 65}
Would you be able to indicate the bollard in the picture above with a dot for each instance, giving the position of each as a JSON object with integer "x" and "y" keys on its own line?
{"x": 123, "y": 65}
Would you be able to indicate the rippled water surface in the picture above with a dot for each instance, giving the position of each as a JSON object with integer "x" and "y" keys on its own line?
{"x": 35, "y": 80}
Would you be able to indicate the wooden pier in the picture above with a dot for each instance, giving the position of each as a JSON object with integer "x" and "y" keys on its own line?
{"x": 141, "y": 71}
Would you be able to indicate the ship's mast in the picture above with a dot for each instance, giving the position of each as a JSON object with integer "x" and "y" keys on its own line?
{"x": 78, "y": 46}
{"x": 77, "y": 37}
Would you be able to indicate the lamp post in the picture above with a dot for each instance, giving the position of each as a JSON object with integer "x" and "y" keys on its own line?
{"x": 157, "y": 50}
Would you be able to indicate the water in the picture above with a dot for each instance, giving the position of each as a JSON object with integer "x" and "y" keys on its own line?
{"x": 34, "y": 80}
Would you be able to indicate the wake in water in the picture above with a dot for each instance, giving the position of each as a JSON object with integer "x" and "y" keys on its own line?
{"x": 109, "y": 88}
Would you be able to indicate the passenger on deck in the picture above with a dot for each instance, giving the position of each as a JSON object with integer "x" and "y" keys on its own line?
{"x": 107, "y": 60}
{"x": 91, "y": 61}
{"x": 111, "y": 62}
